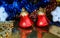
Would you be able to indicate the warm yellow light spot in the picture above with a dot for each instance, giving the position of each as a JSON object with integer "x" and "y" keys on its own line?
{"x": 41, "y": 23}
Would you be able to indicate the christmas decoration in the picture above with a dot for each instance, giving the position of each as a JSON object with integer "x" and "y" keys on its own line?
{"x": 52, "y": 5}
{"x": 56, "y": 14}
{"x": 42, "y": 19}
{"x": 42, "y": 22}
{"x": 10, "y": 10}
{"x": 3, "y": 14}
{"x": 25, "y": 21}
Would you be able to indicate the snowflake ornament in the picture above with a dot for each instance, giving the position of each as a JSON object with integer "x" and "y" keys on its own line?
{"x": 3, "y": 14}
{"x": 56, "y": 14}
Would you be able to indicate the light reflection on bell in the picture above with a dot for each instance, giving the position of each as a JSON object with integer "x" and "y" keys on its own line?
{"x": 40, "y": 32}
{"x": 24, "y": 33}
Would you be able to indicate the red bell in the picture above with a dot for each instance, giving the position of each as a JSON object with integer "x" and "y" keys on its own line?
{"x": 42, "y": 19}
{"x": 25, "y": 21}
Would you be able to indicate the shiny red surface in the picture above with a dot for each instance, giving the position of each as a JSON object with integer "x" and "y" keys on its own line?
{"x": 25, "y": 21}
{"x": 42, "y": 21}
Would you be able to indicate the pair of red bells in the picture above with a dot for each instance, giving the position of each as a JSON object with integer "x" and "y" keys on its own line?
{"x": 26, "y": 22}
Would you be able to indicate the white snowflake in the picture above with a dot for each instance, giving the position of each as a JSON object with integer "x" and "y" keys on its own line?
{"x": 3, "y": 14}
{"x": 56, "y": 14}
